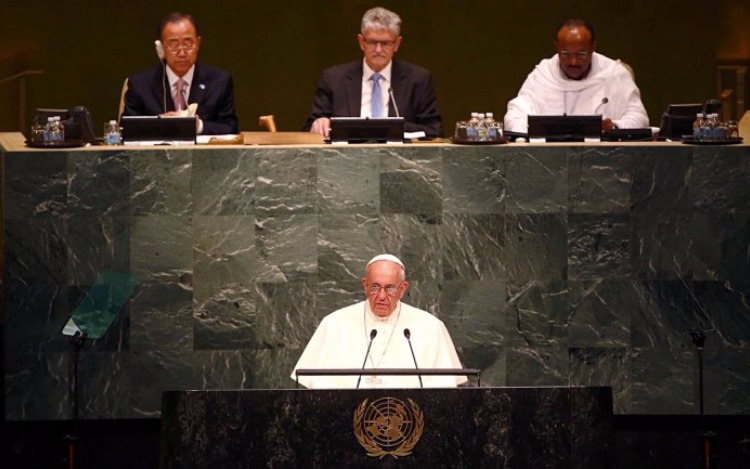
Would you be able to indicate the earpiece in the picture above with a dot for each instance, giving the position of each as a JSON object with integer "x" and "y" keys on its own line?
{"x": 160, "y": 53}
{"x": 159, "y": 49}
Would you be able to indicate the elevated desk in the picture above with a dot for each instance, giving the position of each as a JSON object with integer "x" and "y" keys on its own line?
{"x": 550, "y": 264}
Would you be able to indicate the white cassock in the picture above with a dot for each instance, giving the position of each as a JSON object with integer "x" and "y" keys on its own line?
{"x": 608, "y": 89}
{"x": 341, "y": 340}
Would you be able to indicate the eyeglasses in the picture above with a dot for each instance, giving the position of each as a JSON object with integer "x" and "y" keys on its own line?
{"x": 373, "y": 44}
{"x": 565, "y": 55}
{"x": 187, "y": 46}
{"x": 390, "y": 290}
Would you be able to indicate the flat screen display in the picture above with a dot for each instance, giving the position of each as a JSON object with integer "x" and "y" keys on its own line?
{"x": 565, "y": 128}
{"x": 677, "y": 120}
{"x": 367, "y": 129}
{"x": 157, "y": 129}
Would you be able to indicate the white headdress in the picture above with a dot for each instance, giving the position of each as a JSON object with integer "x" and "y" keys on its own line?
{"x": 386, "y": 257}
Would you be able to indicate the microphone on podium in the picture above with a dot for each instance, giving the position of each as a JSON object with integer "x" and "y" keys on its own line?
{"x": 407, "y": 334}
{"x": 373, "y": 333}
{"x": 393, "y": 100}
{"x": 605, "y": 100}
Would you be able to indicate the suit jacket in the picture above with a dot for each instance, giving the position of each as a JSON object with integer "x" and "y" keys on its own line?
{"x": 339, "y": 94}
{"x": 212, "y": 89}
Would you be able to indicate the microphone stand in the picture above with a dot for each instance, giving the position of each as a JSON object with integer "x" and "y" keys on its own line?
{"x": 373, "y": 333}
{"x": 77, "y": 343}
{"x": 407, "y": 334}
{"x": 707, "y": 457}
{"x": 393, "y": 100}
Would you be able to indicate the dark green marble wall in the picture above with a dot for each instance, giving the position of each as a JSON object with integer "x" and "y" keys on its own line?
{"x": 550, "y": 265}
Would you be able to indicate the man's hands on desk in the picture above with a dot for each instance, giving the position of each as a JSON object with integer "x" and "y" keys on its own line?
{"x": 191, "y": 111}
{"x": 322, "y": 126}
{"x": 607, "y": 124}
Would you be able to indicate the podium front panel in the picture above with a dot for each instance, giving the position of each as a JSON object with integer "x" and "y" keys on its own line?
{"x": 551, "y": 427}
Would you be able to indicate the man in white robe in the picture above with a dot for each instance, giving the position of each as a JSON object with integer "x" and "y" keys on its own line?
{"x": 342, "y": 338}
{"x": 578, "y": 81}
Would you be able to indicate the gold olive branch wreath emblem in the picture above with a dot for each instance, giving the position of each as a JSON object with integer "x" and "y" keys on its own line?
{"x": 388, "y": 427}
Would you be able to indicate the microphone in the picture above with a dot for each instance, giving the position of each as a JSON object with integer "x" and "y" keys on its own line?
{"x": 407, "y": 334}
{"x": 373, "y": 333}
{"x": 605, "y": 100}
{"x": 393, "y": 100}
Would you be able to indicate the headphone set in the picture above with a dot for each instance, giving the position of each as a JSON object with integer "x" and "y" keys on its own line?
{"x": 160, "y": 53}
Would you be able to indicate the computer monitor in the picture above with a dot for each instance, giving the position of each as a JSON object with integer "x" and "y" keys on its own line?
{"x": 156, "y": 130}
{"x": 565, "y": 128}
{"x": 367, "y": 130}
{"x": 677, "y": 120}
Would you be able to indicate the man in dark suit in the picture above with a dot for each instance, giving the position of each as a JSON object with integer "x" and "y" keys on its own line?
{"x": 363, "y": 88}
{"x": 173, "y": 86}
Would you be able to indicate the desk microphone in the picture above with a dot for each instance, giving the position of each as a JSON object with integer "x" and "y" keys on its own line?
{"x": 393, "y": 100}
{"x": 407, "y": 334}
{"x": 373, "y": 333}
{"x": 605, "y": 100}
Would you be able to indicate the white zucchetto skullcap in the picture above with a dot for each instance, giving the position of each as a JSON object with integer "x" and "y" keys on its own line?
{"x": 386, "y": 257}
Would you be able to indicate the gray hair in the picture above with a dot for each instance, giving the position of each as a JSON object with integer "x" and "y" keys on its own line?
{"x": 380, "y": 18}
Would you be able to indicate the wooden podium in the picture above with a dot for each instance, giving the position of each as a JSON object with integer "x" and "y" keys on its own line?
{"x": 547, "y": 427}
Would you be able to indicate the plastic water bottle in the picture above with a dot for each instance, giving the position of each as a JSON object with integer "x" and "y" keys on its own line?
{"x": 494, "y": 128}
{"x": 473, "y": 130}
{"x": 698, "y": 124}
{"x": 54, "y": 132}
{"x": 707, "y": 130}
{"x": 112, "y": 134}
{"x": 719, "y": 130}
{"x": 481, "y": 128}
{"x": 489, "y": 122}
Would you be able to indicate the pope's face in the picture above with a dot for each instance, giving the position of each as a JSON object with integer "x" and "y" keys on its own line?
{"x": 379, "y": 46}
{"x": 181, "y": 46}
{"x": 384, "y": 286}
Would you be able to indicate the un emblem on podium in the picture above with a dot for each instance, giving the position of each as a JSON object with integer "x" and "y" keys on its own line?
{"x": 388, "y": 426}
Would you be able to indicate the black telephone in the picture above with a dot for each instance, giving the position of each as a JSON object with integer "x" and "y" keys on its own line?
{"x": 76, "y": 121}
{"x": 81, "y": 125}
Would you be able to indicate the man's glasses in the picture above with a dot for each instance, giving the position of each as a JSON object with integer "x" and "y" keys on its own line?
{"x": 565, "y": 55}
{"x": 187, "y": 46}
{"x": 373, "y": 44}
{"x": 390, "y": 290}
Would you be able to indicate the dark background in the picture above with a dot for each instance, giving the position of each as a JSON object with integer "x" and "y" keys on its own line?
{"x": 480, "y": 52}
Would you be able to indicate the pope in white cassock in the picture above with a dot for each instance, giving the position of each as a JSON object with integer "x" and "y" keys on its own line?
{"x": 578, "y": 81}
{"x": 342, "y": 338}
